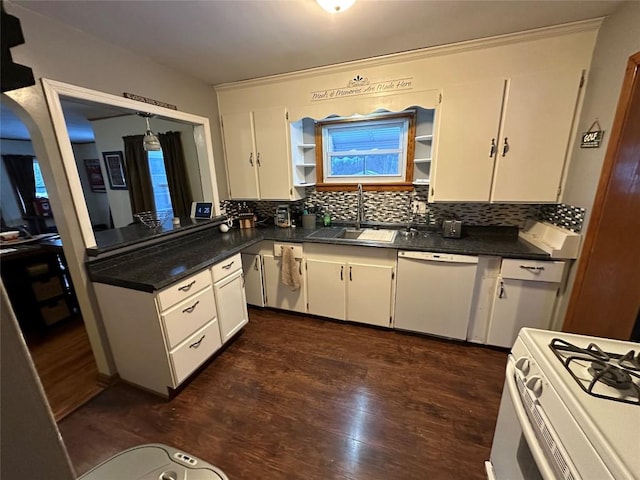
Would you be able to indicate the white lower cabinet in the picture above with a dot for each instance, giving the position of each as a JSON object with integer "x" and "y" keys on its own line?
{"x": 191, "y": 353}
{"x": 253, "y": 285}
{"x": 525, "y": 296}
{"x": 326, "y": 288}
{"x": 230, "y": 297}
{"x": 369, "y": 293}
{"x": 278, "y": 294}
{"x": 158, "y": 339}
{"x": 351, "y": 283}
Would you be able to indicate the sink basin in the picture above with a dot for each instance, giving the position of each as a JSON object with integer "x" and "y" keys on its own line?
{"x": 365, "y": 234}
{"x": 369, "y": 234}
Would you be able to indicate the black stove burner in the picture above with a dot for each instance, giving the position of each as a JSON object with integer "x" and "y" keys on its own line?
{"x": 610, "y": 375}
{"x": 611, "y": 369}
{"x": 630, "y": 361}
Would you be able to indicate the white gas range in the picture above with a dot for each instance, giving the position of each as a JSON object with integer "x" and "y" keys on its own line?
{"x": 570, "y": 409}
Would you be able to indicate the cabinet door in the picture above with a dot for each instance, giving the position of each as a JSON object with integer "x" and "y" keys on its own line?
{"x": 537, "y": 123}
{"x": 232, "y": 304}
{"x": 326, "y": 291}
{"x": 252, "y": 268}
{"x": 469, "y": 121}
{"x": 517, "y": 304}
{"x": 240, "y": 155}
{"x": 278, "y": 294}
{"x": 369, "y": 292}
{"x": 273, "y": 160}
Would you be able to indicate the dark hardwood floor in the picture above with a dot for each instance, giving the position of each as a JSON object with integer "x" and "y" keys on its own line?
{"x": 65, "y": 364}
{"x": 299, "y": 397}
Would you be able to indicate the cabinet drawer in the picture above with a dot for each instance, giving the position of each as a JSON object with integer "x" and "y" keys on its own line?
{"x": 183, "y": 289}
{"x": 539, "y": 271}
{"x": 190, "y": 354}
{"x": 55, "y": 312}
{"x": 188, "y": 316}
{"x": 224, "y": 268}
{"x": 46, "y": 289}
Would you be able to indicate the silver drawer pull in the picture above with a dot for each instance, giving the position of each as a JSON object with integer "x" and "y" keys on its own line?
{"x": 187, "y": 287}
{"x": 535, "y": 269}
{"x": 228, "y": 265}
{"x": 191, "y": 308}
{"x": 197, "y": 344}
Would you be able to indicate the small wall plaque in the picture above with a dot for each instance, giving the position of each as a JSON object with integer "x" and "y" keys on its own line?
{"x": 592, "y": 137}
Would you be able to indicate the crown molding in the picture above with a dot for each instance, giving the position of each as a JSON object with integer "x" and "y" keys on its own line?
{"x": 423, "y": 53}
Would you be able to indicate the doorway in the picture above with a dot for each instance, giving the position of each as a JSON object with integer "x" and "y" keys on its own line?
{"x": 605, "y": 300}
{"x": 38, "y": 282}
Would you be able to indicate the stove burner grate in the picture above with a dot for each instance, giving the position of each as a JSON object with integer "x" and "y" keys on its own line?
{"x": 613, "y": 370}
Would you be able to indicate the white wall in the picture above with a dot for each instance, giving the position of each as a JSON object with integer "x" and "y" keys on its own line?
{"x": 97, "y": 202}
{"x": 618, "y": 39}
{"x": 31, "y": 443}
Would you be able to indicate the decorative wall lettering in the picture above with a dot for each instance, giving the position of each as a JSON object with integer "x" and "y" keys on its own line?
{"x": 150, "y": 101}
{"x": 362, "y": 86}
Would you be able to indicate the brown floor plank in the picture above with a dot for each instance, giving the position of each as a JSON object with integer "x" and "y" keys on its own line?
{"x": 301, "y": 397}
{"x": 66, "y": 367}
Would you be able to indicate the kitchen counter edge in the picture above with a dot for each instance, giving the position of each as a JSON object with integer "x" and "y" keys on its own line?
{"x": 153, "y": 268}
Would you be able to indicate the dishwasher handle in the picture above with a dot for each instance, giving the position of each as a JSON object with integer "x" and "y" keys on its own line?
{"x": 437, "y": 257}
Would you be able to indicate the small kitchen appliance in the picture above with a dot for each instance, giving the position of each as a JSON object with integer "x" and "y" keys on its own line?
{"x": 283, "y": 216}
{"x": 451, "y": 228}
{"x": 570, "y": 409}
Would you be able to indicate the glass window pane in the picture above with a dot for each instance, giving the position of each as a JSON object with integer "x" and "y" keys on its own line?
{"x": 41, "y": 190}
{"x": 159, "y": 183}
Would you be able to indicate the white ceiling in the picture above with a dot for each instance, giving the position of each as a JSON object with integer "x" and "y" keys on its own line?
{"x": 220, "y": 41}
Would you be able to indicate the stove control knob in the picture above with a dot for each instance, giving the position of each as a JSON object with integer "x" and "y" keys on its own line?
{"x": 535, "y": 385}
{"x": 523, "y": 365}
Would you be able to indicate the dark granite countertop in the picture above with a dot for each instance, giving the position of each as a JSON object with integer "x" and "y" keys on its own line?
{"x": 136, "y": 233}
{"x": 155, "y": 267}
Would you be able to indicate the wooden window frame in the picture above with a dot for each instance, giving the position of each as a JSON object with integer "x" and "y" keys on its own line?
{"x": 406, "y": 185}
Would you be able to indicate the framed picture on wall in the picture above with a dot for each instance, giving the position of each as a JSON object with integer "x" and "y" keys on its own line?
{"x": 94, "y": 174}
{"x": 115, "y": 170}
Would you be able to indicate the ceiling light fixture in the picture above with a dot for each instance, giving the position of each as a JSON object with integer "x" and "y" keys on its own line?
{"x": 150, "y": 142}
{"x": 335, "y": 6}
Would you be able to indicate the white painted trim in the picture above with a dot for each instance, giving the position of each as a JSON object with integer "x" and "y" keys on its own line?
{"x": 469, "y": 45}
{"x": 53, "y": 89}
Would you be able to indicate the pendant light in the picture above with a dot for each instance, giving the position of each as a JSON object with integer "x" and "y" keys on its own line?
{"x": 150, "y": 142}
{"x": 335, "y": 6}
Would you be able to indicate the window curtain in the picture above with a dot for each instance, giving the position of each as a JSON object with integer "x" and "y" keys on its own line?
{"x": 174, "y": 164}
{"x": 20, "y": 171}
{"x": 138, "y": 175}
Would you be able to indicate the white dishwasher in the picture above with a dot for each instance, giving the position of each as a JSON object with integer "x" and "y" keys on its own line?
{"x": 434, "y": 293}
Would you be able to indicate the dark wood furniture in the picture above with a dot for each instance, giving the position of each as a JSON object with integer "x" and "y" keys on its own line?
{"x": 39, "y": 285}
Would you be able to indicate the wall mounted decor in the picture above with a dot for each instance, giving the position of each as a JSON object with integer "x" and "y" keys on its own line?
{"x": 115, "y": 170}
{"x": 94, "y": 174}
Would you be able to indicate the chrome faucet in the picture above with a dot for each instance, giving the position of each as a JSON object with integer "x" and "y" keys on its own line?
{"x": 360, "y": 212}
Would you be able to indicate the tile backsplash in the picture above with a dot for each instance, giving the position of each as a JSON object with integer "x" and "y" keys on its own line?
{"x": 396, "y": 207}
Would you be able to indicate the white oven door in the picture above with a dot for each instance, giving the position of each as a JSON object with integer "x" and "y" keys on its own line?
{"x": 517, "y": 452}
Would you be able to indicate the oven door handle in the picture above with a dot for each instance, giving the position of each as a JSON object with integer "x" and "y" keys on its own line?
{"x": 527, "y": 430}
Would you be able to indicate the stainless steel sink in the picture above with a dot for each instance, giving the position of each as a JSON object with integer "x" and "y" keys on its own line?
{"x": 350, "y": 234}
{"x": 361, "y": 235}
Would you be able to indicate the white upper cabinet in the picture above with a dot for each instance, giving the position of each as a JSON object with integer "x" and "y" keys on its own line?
{"x": 469, "y": 121}
{"x": 240, "y": 155}
{"x": 536, "y": 128}
{"x": 257, "y": 154}
{"x": 506, "y": 140}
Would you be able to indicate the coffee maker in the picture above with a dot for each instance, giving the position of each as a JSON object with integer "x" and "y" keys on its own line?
{"x": 283, "y": 216}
